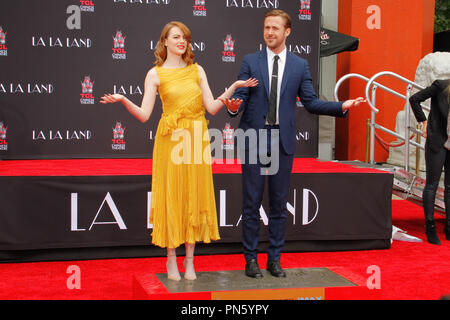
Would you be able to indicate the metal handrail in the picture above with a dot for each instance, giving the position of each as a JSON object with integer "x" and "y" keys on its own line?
{"x": 410, "y": 85}
{"x": 383, "y": 73}
{"x": 371, "y": 101}
{"x": 348, "y": 76}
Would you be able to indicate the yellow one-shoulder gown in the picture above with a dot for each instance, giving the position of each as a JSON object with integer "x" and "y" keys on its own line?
{"x": 183, "y": 207}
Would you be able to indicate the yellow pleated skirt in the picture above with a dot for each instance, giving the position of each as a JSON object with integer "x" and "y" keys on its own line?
{"x": 183, "y": 206}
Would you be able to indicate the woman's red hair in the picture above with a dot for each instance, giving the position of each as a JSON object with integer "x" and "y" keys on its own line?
{"x": 161, "y": 50}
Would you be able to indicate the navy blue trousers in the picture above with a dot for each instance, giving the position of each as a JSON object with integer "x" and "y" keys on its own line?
{"x": 253, "y": 184}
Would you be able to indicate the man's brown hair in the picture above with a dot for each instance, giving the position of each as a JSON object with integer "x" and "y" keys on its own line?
{"x": 280, "y": 13}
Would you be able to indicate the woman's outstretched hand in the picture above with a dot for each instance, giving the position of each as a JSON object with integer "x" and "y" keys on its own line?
{"x": 234, "y": 104}
{"x": 111, "y": 98}
{"x": 251, "y": 82}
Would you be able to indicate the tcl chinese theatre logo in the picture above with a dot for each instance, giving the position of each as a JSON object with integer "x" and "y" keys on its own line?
{"x": 87, "y": 91}
{"x": 199, "y": 8}
{"x": 87, "y": 5}
{"x": 118, "y": 51}
{"x": 118, "y": 140}
{"x": 3, "y": 48}
{"x": 304, "y": 13}
{"x": 228, "y": 49}
{"x": 3, "y": 141}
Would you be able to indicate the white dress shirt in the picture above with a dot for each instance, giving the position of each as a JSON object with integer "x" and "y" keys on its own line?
{"x": 281, "y": 64}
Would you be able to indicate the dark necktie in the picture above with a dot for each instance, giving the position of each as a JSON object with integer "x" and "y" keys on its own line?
{"x": 272, "y": 116}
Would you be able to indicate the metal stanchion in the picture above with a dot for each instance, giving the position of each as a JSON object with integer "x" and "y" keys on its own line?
{"x": 367, "y": 140}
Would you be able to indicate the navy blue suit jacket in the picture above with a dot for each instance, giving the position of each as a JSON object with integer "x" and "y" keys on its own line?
{"x": 296, "y": 82}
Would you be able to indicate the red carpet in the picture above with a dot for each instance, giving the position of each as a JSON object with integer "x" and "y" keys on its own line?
{"x": 105, "y": 167}
{"x": 408, "y": 270}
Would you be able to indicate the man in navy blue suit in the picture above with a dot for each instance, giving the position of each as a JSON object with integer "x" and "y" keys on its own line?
{"x": 270, "y": 108}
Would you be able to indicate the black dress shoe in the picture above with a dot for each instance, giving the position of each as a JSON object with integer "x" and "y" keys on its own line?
{"x": 252, "y": 269}
{"x": 275, "y": 269}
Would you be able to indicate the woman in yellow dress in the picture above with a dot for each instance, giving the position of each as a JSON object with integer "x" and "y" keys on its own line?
{"x": 183, "y": 208}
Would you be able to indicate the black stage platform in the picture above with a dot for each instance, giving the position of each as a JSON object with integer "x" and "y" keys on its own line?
{"x": 92, "y": 209}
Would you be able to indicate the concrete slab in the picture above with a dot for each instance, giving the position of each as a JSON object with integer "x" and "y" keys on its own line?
{"x": 237, "y": 280}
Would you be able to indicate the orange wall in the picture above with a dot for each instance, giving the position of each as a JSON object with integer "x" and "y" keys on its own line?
{"x": 405, "y": 36}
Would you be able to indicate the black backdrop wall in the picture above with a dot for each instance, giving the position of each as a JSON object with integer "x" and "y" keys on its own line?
{"x": 58, "y": 57}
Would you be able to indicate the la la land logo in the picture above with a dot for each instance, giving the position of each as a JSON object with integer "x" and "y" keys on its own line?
{"x": 127, "y": 89}
{"x": 3, "y": 48}
{"x": 199, "y": 8}
{"x": 228, "y": 49}
{"x": 307, "y": 205}
{"x": 26, "y": 88}
{"x": 118, "y": 142}
{"x": 154, "y": 2}
{"x": 3, "y": 141}
{"x": 55, "y": 135}
{"x": 119, "y": 52}
{"x": 57, "y": 42}
{"x": 87, "y": 90}
{"x": 258, "y": 4}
